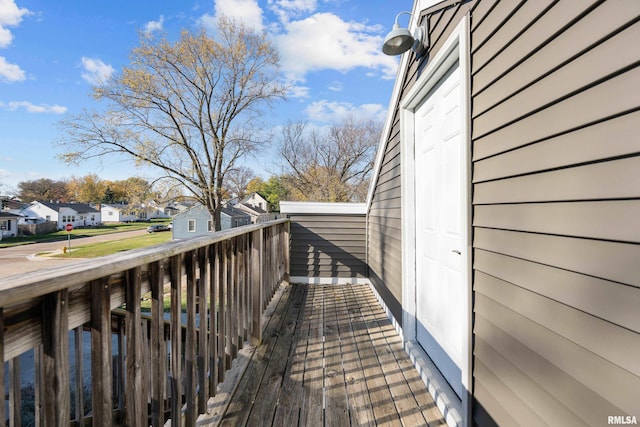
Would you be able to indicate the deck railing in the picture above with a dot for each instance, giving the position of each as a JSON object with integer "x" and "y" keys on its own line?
{"x": 145, "y": 365}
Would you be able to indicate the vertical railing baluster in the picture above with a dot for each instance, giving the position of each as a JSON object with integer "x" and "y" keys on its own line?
{"x": 119, "y": 371}
{"x": 15, "y": 417}
{"x": 101, "y": 355}
{"x": 233, "y": 298}
{"x": 176, "y": 338}
{"x": 203, "y": 337}
{"x": 222, "y": 316}
{"x": 190, "y": 344}
{"x": 213, "y": 319}
{"x": 158, "y": 345}
{"x": 79, "y": 398}
{"x": 136, "y": 391}
{"x": 55, "y": 359}
{"x": 256, "y": 286}
{"x": 39, "y": 378}
{"x": 229, "y": 310}
{"x": 287, "y": 254}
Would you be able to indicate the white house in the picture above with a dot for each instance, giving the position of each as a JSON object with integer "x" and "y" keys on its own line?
{"x": 77, "y": 214}
{"x": 116, "y": 213}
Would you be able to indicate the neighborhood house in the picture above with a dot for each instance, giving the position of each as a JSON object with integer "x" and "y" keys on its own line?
{"x": 197, "y": 221}
{"x": 77, "y": 214}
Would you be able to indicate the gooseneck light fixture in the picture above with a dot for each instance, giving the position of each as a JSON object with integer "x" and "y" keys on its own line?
{"x": 400, "y": 40}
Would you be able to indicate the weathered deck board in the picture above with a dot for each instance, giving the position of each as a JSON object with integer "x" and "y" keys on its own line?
{"x": 330, "y": 357}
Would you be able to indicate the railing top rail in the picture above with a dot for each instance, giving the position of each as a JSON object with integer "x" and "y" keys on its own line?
{"x": 21, "y": 287}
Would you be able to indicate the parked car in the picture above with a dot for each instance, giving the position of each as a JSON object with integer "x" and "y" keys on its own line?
{"x": 157, "y": 227}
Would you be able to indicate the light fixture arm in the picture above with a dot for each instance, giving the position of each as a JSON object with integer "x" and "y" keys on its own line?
{"x": 403, "y": 13}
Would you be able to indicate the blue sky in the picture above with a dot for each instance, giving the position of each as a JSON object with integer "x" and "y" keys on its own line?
{"x": 52, "y": 51}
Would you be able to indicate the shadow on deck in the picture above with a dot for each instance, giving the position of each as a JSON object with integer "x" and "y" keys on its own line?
{"x": 329, "y": 357}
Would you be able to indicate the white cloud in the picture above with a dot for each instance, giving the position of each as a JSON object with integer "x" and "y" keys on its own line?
{"x": 10, "y": 16}
{"x": 286, "y": 9}
{"x": 153, "y": 26}
{"x": 247, "y": 11}
{"x": 296, "y": 91}
{"x": 335, "y": 86}
{"x": 10, "y": 72}
{"x": 330, "y": 111}
{"x": 324, "y": 41}
{"x": 33, "y": 108}
{"x": 96, "y": 72}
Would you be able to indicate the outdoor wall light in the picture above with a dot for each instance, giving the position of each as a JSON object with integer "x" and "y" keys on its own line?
{"x": 400, "y": 40}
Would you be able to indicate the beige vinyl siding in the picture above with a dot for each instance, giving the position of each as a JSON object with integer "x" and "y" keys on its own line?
{"x": 384, "y": 228}
{"x": 328, "y": 246}
{"x": 556, "y": 220}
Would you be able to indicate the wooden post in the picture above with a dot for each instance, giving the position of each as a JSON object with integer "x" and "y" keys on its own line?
{"x": 56, "y": 402}
{"x": 190, "y": 343}
{"x": 256, "y": 286}
{"x": 158, "y": 345}
{"x": 136, "y": 393}
{"x": 203, "y": 337}
{"x": 101, "y": 358}
{"x": 176, "y": 338}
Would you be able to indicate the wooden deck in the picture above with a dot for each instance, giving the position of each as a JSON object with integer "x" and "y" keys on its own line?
{"x": 329, "y": 357}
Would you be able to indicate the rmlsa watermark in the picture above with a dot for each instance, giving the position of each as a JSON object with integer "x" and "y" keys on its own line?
{"x": 622, "y": 419}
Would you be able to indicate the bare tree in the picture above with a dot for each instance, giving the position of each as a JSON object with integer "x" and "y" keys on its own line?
{"x": 237, "y": 180}
{"x": 190, "y": 108}
{"x": 333, "y": 165}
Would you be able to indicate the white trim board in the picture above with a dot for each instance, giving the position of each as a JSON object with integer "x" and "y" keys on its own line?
{"x": 455, "y": 49}
{"x": 325, "y": 208}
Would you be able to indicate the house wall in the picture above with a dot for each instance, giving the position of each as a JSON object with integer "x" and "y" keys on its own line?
{"x": 384, "y": 218}
{"x": 181, "y": 223}
{"x": 227, "y": 221}
{"x": 556, "y": 210}
{"x": 327, "y": 241}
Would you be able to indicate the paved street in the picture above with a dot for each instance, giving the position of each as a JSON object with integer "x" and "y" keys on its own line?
{"x": 22, "y": 259}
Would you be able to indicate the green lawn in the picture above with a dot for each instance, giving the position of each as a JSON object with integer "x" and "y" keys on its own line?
{"x": 77, "y": 233}
{"x": 108, "y": 248}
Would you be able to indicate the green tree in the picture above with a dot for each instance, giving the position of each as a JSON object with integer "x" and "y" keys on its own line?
{"x": 44, "y": 190}
{"x": 86, "y": 189}
{"x": 191, "y": 108}
{"x": 274, "y": 190}
{"x": 109, "y": 196}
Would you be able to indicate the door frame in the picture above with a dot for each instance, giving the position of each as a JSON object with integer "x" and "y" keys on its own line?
{"x": 456, "y": 48}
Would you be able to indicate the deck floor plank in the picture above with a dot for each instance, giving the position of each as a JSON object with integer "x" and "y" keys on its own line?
{"x": 240, "y": 406}
{"x": 402, "y": 395}
{"x": 312, "y": 410}
{"x": 330, "y": 357}
{"x": 336, "y": 403}
{"x": 291, "y": 395}
{"x": 360, "y": 407}
{"x": 270, "y": 388}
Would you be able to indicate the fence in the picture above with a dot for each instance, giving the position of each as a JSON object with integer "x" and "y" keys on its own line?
{"x": 144, "y": 367}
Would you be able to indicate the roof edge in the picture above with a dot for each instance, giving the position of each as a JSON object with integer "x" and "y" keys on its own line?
{"x": 323, "y": 208}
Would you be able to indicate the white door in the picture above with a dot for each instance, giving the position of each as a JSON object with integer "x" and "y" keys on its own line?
{"x": 438, "y": 216}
